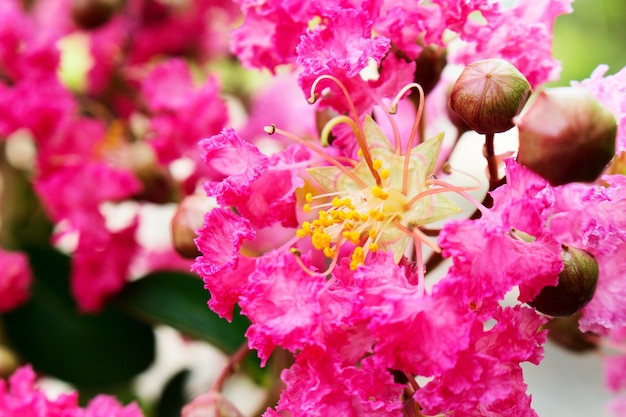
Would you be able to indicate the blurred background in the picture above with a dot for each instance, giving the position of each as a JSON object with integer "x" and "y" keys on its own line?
{"x": 594, "y": 34}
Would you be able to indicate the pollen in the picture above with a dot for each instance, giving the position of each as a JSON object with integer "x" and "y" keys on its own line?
{"x": 379, "y": 193}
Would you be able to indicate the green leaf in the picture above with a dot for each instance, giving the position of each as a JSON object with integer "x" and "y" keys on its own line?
{"x": 86, "y": 350}
{"x": 180, "y": 301}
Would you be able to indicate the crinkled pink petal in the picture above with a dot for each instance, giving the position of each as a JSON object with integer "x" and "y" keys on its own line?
{"x": 107, "y": 406}
{"x": 15, "y": 280}
{"x": 219, "y": 240}
{"x": 100, "y": 267}
{"x": 522, "y": 35}
{"x": 282, "y": 303}
{"x": 271, "y": 198}
{"x": 238, "y": 161}
{"x": 342, "y": 47}
{"x": 21, "y": 398}
{"x": 324, "y": 388}
{"x": 168, "y": 86}
{"x": 226, "y": 286}
{"x": 267, "y": 40}
{"x": 70, "y": 192}
{"x": 487, "y": 378}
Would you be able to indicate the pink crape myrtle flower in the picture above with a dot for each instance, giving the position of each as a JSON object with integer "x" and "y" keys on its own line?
{"x": 522, "y": 205}
{"x": 19, "y": 397}
{"x": 521, "y": 34}
{"x": 63, "y": 195}
{"x": 15, "y": 280}
{"x": 181, "y": 112}
{"x": 317, "y": 385}
{"x": 341, "y": 47}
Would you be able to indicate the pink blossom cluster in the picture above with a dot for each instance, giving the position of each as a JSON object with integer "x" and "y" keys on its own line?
{"x": 324, "y": 214}
{"x": 20, "y": 397}
{"x": 88, "y": 152}
{"x": 368, "y": 337}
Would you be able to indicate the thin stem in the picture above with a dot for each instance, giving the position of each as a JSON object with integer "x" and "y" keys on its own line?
{"x": 492, "y": 163}
{"x": 273, "y": 129}
{"x": 360, "y": 137}
{"x": 231, "y": 367}
{"x": 412, "y": 137}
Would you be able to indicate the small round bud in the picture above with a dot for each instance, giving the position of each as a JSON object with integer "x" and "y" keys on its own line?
{"x": 489, "y": 94}
{"x": 211, "y": 404}
{"x": 576, "y": 286}
{"x": 188, "y": 218}
{"x": 91, "y": 14}
{"x": 566, "y": 135}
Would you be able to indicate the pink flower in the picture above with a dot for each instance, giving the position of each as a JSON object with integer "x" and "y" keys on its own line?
{"x": 15, "y": 280}
{"x": 182, "y": 113}
{"x": 219, "y": 241}
{"x": 320, "y": 386}
{"x": 340, "y": 47}
{"x": 266, "y": 40}
{"x": 100, "y": 265}
{"x": 522, "y": 35}
{"x": 489, "y": 255}
{"x": 271, "y": 198}
{"x": 487, "y": 377}
{"x": 20, "y": 398}
{"x": 65, "y": 197}
{"x": 281, "y": 300}
{"x": 237, "y": 161}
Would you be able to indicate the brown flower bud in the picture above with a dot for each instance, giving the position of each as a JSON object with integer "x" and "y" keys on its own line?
{"x": 188, "y": 218}
{"x": 91, "y": 14}
{"x": 566, "y": 135}
{"x": 489, "y": 94}
{"x": 576, "y": 286}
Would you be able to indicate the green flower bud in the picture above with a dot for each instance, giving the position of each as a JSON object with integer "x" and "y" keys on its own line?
{"x": 489, "y": 94}
{"x": 576, "y": 286}
{"x": 566, "y": 135}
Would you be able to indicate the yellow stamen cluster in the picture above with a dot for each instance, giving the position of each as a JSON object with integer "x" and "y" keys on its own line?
{"x": 358, "y": 217}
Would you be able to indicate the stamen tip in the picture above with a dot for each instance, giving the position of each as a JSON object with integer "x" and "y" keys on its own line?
{"x": 270, "y": 129}
{"x": 313, "y": 98}
{"x": 295, "y": 252}
{"x": 393, "y": 109}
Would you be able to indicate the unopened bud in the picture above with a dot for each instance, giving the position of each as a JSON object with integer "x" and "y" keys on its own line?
{"x": 576, "y": 286}
{"x": 489, "y": 94}
{"x": 211, "y": 404}
{"x": 91, "y": 14}
{"x": 188, "y": 218}
{"x": 566, "y": 135}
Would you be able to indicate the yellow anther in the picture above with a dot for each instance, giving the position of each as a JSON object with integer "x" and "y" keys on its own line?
{"x": 377, "y": 164}
{"x": 379, "y": 193}
{"x": 320, "y": 240}
{"x": 372, "y": 233}
{"x": 352, "y": 236}
{"x": 373, "y": 247}
{"x": 300, "y": 233}
{"x": 308, "y": 197}
{"x": 357, "y": 258}
{"x": 384, "y": 173}
{"x": 307, "y": 208}
{"x": 348, "y": 226}
{"x": 336, "y": 202}
{"x": 329, "y": 252}
{"x": 360, "y": 152}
